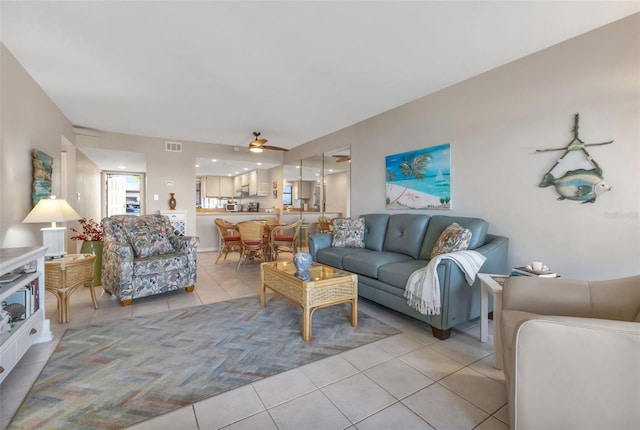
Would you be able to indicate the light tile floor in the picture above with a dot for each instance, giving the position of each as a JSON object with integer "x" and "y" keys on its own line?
{"x": 408, "y": 381}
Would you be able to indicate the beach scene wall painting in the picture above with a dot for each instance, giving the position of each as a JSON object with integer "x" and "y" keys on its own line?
{"x": 420, "y": 179}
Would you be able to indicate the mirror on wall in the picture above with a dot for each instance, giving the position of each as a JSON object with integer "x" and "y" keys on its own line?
{"x": 319, "y": 188}
{"x": 336, "y": 183}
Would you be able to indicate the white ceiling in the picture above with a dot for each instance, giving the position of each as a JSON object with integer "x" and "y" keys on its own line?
{"x": 215, "y": 71}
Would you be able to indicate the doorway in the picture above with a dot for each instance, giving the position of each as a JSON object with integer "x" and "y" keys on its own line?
{"x": 124, "y": 193}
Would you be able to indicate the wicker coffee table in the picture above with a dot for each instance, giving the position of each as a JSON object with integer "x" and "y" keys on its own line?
{"x": 326, "y": 287}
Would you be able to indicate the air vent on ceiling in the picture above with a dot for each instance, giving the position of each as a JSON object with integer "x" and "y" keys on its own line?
{"x": 173, "y": 147}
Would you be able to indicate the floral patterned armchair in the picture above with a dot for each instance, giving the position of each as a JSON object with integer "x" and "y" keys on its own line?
{"x": 143, "y": 256}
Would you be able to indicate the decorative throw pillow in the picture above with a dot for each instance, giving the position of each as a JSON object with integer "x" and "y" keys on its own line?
{"x": 453, "y": 238}
{"x": 348, "y": 233}
{"x": 148, "y": 241}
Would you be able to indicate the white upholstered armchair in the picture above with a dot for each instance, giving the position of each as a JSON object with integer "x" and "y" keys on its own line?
{"x": 572, "y": 353}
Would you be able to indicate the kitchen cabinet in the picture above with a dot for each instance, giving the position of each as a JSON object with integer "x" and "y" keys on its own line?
{"x": 259, "y": 183}
{"x": 302, "y": 189}
{"x": 219, "y": 186}
{"x": 226, "y": 187}
{"x": 305, "y": 189}
{"x": 213, "y": 186}
{"x": 240, "y": 182}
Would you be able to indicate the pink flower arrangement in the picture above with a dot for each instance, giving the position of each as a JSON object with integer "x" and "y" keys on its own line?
{"x": 91, "y": 230}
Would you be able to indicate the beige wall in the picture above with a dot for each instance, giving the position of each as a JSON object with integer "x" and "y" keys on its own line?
{"x": 28, "y": 120}
{"x": 496, "y": 121}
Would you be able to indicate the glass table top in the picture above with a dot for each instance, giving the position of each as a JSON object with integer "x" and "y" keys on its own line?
{"x": 317, "y": 271}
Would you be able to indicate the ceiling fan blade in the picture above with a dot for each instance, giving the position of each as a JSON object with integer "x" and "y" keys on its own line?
{"x": 258, "y": 142}
{"x": 342, "y": 158}
{"x": 275, "y": 148}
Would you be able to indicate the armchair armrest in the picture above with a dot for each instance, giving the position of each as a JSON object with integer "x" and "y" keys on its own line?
{"x": 571, "y": 372}
{"x": 183, "y": 244}
{"x": 117, "y": 266}
{"x": 187, "y": 245}
{"x": 547, "y": 296}
{"x": 318, "y": 242}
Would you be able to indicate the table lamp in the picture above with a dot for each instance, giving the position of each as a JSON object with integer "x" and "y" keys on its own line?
{"x": 52, "y": 210}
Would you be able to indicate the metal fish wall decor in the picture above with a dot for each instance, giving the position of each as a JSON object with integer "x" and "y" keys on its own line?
{"x": 583, "y": 185}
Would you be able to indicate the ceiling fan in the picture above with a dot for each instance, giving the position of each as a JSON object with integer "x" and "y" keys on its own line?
{"x": 258, "y": 145}
{"x": 342, "y": 158}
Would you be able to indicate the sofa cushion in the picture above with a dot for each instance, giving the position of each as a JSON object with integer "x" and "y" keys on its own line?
{"x": 453, "y": 238}
{"x": 438, "y": 223}
{"x": 367, "y": 262}
{"x": 397, "y": 274}
{"x": 333, "y": 256}
{"x": 149, "y": 240}
{"x": 405, "y": 233}
{"x": 348, "y": 233}
{"x": 375, "y": 228}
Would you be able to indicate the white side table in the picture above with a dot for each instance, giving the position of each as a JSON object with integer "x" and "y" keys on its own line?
{"x": 490, "y": 284}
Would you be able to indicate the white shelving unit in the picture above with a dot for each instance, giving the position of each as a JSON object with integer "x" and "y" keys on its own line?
{"x": 178, "y": 221}
{"x": 35, "y": 329}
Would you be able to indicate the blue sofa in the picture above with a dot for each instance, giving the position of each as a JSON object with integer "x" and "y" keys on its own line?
{"x": 397, "y": 245}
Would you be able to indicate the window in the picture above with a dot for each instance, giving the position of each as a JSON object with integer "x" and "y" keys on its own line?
{"x": 286, "y": 195}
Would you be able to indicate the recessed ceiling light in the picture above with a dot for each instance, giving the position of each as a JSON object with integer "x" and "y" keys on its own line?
{"x": 330, "y": 170}
{"x": 214, "y": 160}
{"x": 229, "y": 174}
{"x": 122, "y": 167}
{"x": 297, "y": 167}
{"x": 236, "y": 172}
{"x": 246, "y": 168}
{"x": 259, "y": 164}
{"x": 197, "y": 165}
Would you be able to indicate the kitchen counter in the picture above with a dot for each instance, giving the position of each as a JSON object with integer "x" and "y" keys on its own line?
{"x": 208, "y": 234}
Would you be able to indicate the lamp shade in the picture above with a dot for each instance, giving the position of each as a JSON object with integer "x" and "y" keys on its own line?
{"x": 52, "y": 210}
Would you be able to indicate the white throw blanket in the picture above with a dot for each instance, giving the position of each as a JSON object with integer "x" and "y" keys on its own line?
{"x": 423, "y": 287}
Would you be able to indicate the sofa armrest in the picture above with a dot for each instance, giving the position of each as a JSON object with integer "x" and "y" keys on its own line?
{"x": 570, "y": 372}
{"x": 318, "y": 242}
{"x": 495, "y": 249}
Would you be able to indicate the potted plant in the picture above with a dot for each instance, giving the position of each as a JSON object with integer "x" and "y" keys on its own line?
{"x": 91, "y": 237}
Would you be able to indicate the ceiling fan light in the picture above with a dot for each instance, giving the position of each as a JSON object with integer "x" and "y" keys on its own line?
{"x": 255, "y": 149}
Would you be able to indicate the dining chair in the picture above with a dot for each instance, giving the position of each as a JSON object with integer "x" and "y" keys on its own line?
{"x": 253, "y": 241}
{"x": 228, "y": 238}
{"x": 284, "y": 238}
{"x": 324, "y": 224}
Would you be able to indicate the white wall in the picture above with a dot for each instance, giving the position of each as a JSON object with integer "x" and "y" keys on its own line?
{"x": 496, "y": 121}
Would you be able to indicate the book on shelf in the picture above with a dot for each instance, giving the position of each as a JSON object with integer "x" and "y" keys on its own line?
{"x": 523, "y": 271}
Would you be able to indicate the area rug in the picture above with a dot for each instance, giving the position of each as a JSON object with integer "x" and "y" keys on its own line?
{"x": 113, "y": 375}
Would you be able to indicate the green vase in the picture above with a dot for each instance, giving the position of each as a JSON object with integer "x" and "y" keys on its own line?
{"x": 94, "y": 247}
